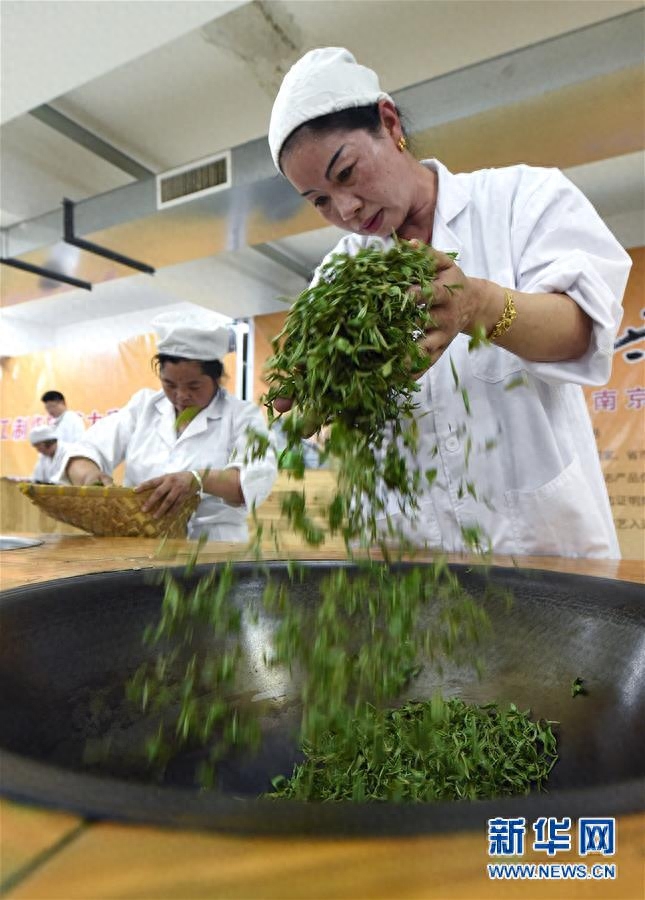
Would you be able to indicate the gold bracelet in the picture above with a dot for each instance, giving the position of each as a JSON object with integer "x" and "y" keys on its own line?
{"x": 508, "y": 317}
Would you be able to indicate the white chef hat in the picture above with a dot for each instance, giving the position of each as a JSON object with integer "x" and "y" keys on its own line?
{"x": 42, "y": 433}
{"x": 191, "y": 335}
{"x": 323, "y": 81}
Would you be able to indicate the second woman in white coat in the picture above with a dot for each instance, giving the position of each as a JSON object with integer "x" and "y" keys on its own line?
{"x": 204, "y": 450}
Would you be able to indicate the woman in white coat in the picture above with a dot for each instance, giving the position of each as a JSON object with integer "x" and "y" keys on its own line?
{"x": 192, "y": 435}
{"x": 537, "y": 269}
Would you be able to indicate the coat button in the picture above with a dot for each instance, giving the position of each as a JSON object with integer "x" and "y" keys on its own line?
{"x": 452, "y": 443}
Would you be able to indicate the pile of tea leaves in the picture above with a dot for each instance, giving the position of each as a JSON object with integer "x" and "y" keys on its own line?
{"x": 347, "y": 356}
{"x": 430, "y": 751}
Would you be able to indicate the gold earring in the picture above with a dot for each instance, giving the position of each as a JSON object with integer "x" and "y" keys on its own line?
{"x": 402, "y": 143}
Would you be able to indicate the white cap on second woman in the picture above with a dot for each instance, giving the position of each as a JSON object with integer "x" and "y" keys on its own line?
{"x": 191, "y": 335}
{"x": 323, "y": 81}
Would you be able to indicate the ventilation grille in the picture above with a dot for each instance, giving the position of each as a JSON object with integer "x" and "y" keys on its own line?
{"x": 194, "y": 180}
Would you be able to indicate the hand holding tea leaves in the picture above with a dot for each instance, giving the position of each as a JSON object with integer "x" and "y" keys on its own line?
{"x": 455, "y": 306}
{"x": 350, "y": 342}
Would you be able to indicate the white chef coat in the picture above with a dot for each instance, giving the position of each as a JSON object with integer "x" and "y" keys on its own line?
{"x": 143, "y": 434}
{"x": 540, "y": 487}
{"x": 69, "y": 427}
{"x": 47, "y": 467}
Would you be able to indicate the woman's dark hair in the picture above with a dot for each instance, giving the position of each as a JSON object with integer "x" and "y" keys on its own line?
{"x": 356, "y": 118}
{"x": 211, "y": 367}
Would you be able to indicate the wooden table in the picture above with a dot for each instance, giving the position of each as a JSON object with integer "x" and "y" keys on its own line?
{"x": 48, "y": 855}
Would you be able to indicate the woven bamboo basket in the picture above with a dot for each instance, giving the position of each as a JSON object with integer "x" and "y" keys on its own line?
{"x": 108, "y": 511}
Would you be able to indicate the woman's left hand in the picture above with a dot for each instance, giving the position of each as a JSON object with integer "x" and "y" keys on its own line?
{"x": 457, "y": 299}
{"x": 170, "y": 492}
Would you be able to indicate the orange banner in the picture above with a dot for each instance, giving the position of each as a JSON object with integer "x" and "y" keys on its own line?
{"x": 618, "y": 416}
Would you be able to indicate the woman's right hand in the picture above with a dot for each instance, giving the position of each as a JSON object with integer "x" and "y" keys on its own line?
{"x": 82, "y": 471}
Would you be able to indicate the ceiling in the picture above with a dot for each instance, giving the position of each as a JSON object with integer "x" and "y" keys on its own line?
{"x": 166, "y": 83}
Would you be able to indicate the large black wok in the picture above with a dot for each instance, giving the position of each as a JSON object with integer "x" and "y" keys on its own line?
{"x": 68, "y": 647}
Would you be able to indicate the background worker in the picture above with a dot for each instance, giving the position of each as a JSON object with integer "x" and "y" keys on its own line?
{"x": 190, "y": 436}
{"x": 51, "y": 453}
{"x": 68, "y": 424}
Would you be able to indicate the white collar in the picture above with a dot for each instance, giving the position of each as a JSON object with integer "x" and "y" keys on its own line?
{"x": 452, "y": 197}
